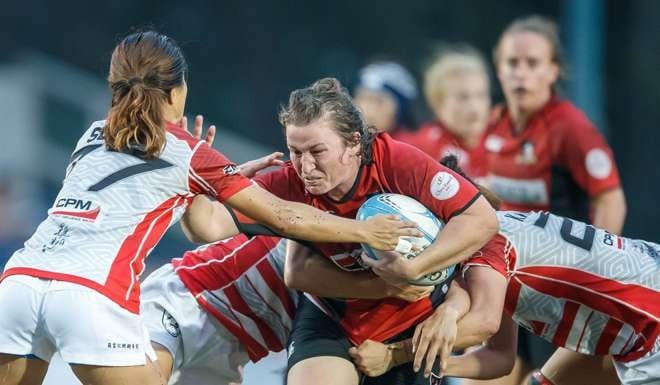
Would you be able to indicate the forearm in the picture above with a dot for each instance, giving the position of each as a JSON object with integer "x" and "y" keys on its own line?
{"x": 294, "y": 219}
{"x": 336, "y": 283}
{"x": 482, "y": 363}
{"x": 609, "y": 210}
{"x": 207, "y": 220}
{"x": 458, "y": 240}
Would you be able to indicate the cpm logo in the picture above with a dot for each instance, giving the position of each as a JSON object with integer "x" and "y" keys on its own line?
{"x": 76, "y": 208}
{"x": 78, "y": 204}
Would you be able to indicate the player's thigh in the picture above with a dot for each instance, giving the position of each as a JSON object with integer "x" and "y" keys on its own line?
{"x": 164, "y": 362}
{"x": 148, "y": 374}
{"x": 323, "y": 370}
{"x": 566, "y": 367}
{"x": 516, "y": 377}
{"x": 318, "y": 349}
{"x": 19, "y": 370}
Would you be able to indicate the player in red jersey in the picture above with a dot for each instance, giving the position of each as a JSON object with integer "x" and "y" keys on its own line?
{"x": 225, "y": 303}
{"x": 386, "y": 92}
{"x": 576, "y": 286}
{"x": 336, "y": 164}
{"x": 456, "y": 86}
{"x": 130, "y": 178}
{"x": 544, "y": 154}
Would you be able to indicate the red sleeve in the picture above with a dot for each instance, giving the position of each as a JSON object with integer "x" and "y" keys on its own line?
{"x": 491, "y": 255}
{"x": 212, "y": 173}
{"x": 587, "y": 155}
{"x": 411, "y": 172}
{"x": 278, "y": 182}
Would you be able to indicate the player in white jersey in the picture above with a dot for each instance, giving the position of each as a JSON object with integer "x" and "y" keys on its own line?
{"x": 225, "y": 303}
{"x": 579, "y": 287}
{"x": 74, "y": 287}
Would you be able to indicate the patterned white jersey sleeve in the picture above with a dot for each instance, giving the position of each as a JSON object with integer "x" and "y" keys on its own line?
{"x": 577, "y": 286}
{"x": 113, "y": 209}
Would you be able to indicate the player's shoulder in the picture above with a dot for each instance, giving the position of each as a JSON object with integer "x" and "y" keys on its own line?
{"x": 562, "y": 114}
{"x": 182, "y": 135}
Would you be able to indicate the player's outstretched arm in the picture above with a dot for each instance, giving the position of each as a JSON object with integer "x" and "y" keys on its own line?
{"x": 309, "y": 272}
{"x": 301, "y": 221}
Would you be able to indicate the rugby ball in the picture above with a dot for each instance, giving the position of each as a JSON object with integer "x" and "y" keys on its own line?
{"x": 409, "y": 209}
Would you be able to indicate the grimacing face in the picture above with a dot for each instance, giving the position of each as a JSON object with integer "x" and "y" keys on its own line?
{"x": 465, "y": 104}
{"x": 322, "y": 159}
{"x": 526, "y": 70}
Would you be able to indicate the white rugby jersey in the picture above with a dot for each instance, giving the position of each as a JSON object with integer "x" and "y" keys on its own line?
{"x": 577, "y": 286}
{"x": 114, "y": 207}
{"x": 240, "y": 282}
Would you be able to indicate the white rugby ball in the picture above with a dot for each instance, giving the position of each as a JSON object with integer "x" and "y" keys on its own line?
{"x": 409, "y": 209}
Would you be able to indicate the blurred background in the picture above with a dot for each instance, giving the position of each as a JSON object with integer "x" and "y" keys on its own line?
{"x": 245, "y": 58}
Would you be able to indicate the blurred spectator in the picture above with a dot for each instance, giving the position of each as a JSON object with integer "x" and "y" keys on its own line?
{"x": 386, "y": 93}
{"x": 457, "y": 90}
{"x": 545, "y": 154}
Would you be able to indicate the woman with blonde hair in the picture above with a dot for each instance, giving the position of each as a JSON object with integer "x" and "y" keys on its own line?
{"x": 456, "y": 86}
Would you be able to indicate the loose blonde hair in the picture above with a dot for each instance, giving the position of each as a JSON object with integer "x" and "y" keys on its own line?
{"x": 449, "y": 62}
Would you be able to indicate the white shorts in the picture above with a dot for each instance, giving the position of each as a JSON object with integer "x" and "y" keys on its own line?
{"x": 203, "y": 351}
{"x": 40, "y": 317}
{"x": 642, "y": 371}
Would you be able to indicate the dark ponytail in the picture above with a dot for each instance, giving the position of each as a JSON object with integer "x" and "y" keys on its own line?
{"x": 144, "y": 69}
{"x": 451, "y": 162}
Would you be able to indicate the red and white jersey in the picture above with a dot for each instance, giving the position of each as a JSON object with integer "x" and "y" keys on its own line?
{"x": 114, "y": 207}
{"x": 240, "y": 282}
{"x": 577, "y": 286}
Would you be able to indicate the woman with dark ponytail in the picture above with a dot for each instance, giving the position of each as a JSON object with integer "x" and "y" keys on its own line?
{"x": 74, "y": 288}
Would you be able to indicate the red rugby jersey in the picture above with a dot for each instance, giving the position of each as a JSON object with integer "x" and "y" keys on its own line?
{"x": 556, "y": 163}
{"x": 397, "y": 168}
{"x": 434, "y": 139}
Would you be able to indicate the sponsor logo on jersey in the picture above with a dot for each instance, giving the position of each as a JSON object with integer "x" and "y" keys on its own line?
{"x": 444, "y": 186}
{"x": 80, "y": 209}
{"x": 598, "y": 163}
{"x": 527, "y": 154}
{"x": 521, "y": 191}
{"x": 494, "y": 143}
{"x": 123, "y": 345}
{"x": 58, "y": 238}
{"x": 170, "y": 324}
{"x": 230, "y": 169}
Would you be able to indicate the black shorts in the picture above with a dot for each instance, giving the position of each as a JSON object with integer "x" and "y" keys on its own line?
{"x": 532, "y": 349}
{"x": 314, "y": 334}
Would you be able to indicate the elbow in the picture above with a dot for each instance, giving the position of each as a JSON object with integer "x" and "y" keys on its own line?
{"x": 488, "y": 326}
{"x": 506, "y": 367}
